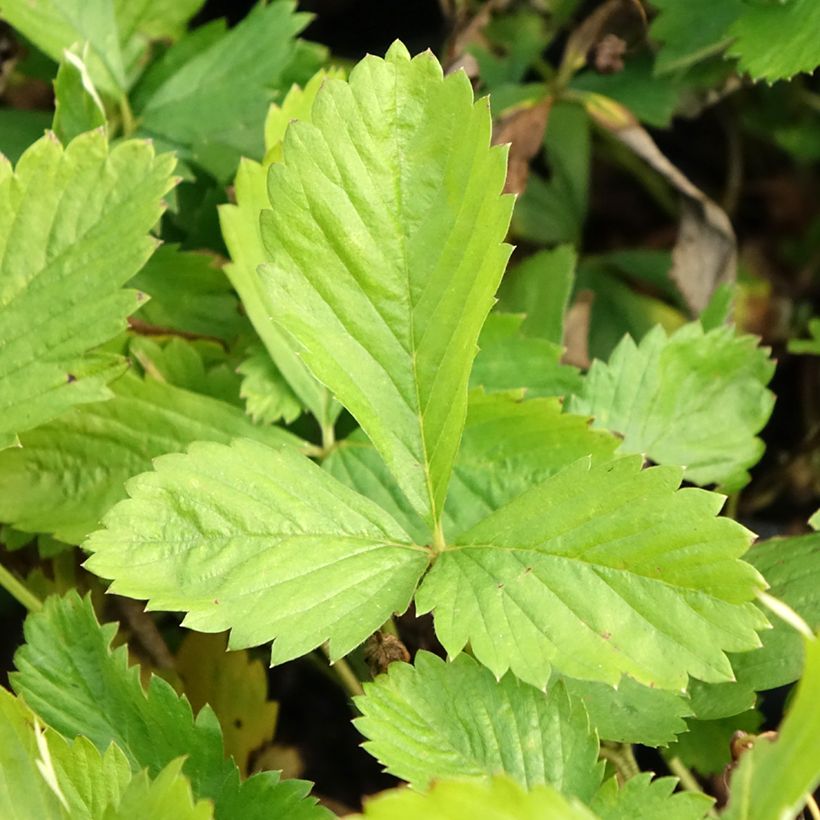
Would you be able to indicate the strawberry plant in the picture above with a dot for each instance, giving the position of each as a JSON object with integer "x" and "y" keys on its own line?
{"x": 486, "y": 509}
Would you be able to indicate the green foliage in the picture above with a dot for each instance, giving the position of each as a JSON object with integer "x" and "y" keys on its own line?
{"x": 77, "y": 105}
{"x": 268, "y": 397}
{"x": 660, "y": 396}
{"x": 642, "y": 797}
{"x": 101, "y": 698}
{"x": 437, "y": 719}
{"x": 63, "y": 297}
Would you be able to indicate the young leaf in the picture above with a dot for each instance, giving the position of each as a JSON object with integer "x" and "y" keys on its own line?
{"x": 692, "y": 399}
{"x": 264, "y": 543}
{"x": 78, "y": 107}
{"x": 268, "y": 397}
{"x": 641, "y": 796}
{"x": 622, "y": 575}
{"x": 70, "y": 472}
{"x": 446, "y": 720}
{"x": 202, "y": 108}
{"x": 387, "y": 224}
{"x": 243, "y": 238}
{"x": 73, "y": 680}
{"x": 73, "y": 230}
{"x": 500, "y": 799}
{"x": 773, "y": 778}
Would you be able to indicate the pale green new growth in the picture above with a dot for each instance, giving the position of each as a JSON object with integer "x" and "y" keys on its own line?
{"x": 601, "y": 571}
{"x": 693, "y": 400}
{"x": 73, "y": 230}
{"x": 387, "y": 224}
{"x": 437, "y": 719}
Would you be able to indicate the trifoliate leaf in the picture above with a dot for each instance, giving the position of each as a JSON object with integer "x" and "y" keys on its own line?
{"x": 78, "y": 107}
{"x": 498, "y": 799}
{"x": 267, "y": 394}
{"x": 631, "y": 713}
{"x": 509, "y": 360}
{"x": 189, "y": 293}
{"x": 446, "y": 720}
{"x": 692, "y": 399}
{"x": 74, "y": 225}
{"x": 773, "y": 778}
{"x": 385, "y": 249}
{"x": 622, "y": 575}
{"x": 642, "y": 798}
{"x": 508, "y": 446}
{"x": 792, "y": 567}
{"x": 243, "y": 238}
{"x": 261, "y": 541}
{"x": 70, "y": 472}
{"x": 202, "y": 109}
{"x": 55, "y": 25}
{"x": 706, "y": 745}
{"x": 100, "y": 697}
{"x": 235, "y": 686}
{"x": 540, "y": 287}
{"x": 775, "y": 41}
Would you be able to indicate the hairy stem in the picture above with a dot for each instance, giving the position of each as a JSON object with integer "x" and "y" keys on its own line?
{"x": 19, "y": 591}
{"x": 346, "y": 675}
{"x": 682, "y": 772}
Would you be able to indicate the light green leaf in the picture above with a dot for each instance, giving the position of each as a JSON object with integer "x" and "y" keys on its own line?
{"x": 540, "y": 287}
{"x": 261, "y": 541}
{"x": 631, "y": 713}
{"x": 625, "y": 575}
{"x": 154, "y": 19}
{"x": 693, "y": 399}
{"x": 792, "y": 567}
{"x": 385, "y": 244}
{"x": 509, "y": 360}
{"x": 642, "y": 798}
{"x": 78, "y": 107}
{"x": 56, "y": 25}
{"x": 189, "y": 293}
{"x": 508, "y": 446}
{"x": 773, "y": 778}
{"x": 79, "y": 686}
{"x": 498, "y": 799}
{"x": 70, "y": 472}
{"x": 268, "y": 397}
{"x": 73, "y": 229}
{"x": 775, "y": 41}
{"x": 203, "y": 109}
{"x": 446, "y": 720}
{"x": 243, "y": 238}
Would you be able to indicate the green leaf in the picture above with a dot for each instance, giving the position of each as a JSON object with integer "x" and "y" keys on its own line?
{"x": 265, "y": 543}
{"x": 508, "y": 446}
{"x": 78, "y": 107}
{"x": 500, "y": 799}
{"x": 446, "y": 720}
{"x": 641, "y": 798}
{"x": 792, "y": 567}
{"x": 773, "y": 779}
{"x": 509, "y": 360}
{"x": 154, "y": 19}
{"x": 809, "y": 346}
{"x": 167, "y": 797}
{"x": 540, "y": 287}
{"x": 56, "y": 25}
{"x": 693, "y": 399}
{"x": 19, "y": 129}
{"x": 705, "y": 747}
{"x": 74, "y": 681}
{"x": 243, "y": 238}
{"x": 775, "y": 41}
{"x": 268, "y": 397}
{"x": 388, "y": 224}
{"x": 80, "y": 220}
{"x": 201, "y": 107}
{"x": 189, "y": 293}
{"x": 236, "y": 688}
{"x": 625, "y": 575}
{"x": 631, "y": 713}
{"x": 70, "y": 472}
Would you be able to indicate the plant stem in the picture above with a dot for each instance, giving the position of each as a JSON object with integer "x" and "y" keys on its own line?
{"x": 129, "y": 124}
{"x": 19, "y": 591}
{"x": 681, "y": 771}
{"x": 389, "y": 628}
{"x": 621, "y": 756}
{"x": 811, "y": 805}
{"x": 346, "y": 675}
{"x": 439, "y": 542}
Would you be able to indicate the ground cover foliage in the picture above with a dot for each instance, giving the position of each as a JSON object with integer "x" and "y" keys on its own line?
{"x": 427, "y": 432}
